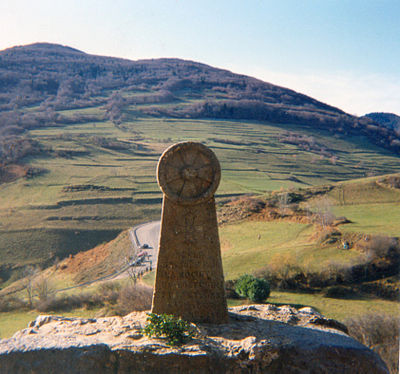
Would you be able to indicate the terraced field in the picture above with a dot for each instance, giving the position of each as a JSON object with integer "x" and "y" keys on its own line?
{"x": 98, "y": 178}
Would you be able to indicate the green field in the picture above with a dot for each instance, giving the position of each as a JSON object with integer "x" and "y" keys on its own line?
{"x": 99, "y": 178}
{"x": 280, "y": 242}
{"x": 383, "y": 219}
{"x": 372, "y": 207}
{"x": 339, "y": 309}
{"x": 254, "y": 161}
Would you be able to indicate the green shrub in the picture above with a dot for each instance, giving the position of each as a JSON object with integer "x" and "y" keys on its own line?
{"x": 174, "y": 329}
{"x": 242, "y": 284}
{"x": 338, "y": 292}
{"x": 256, "y": 289}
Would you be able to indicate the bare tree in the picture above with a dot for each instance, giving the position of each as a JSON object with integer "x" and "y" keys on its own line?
{"x": 322, "y": 209}
{"x": 129, "y": 260}
{"x": 283, "y": 200}
{"x": 42, "y": 288}
{"x": 132, "y": 274}
{"x": 29, "y": 275}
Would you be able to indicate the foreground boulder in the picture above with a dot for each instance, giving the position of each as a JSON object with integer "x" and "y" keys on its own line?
{"x": 258, "y": 339}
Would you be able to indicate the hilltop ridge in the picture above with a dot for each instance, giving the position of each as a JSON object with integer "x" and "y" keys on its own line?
{"x": 42, "y": 47}
{"x": 389, "y": 120}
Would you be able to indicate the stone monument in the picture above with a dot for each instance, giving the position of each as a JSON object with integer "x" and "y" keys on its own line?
{"x": 189, "y": 277}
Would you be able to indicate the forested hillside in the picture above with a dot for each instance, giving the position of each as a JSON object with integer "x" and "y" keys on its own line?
{"x": 389, "y": 120}
{"x": 40, "y": 80}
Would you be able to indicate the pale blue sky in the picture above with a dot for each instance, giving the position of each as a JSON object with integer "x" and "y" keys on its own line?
{"x": 343, "y": 52}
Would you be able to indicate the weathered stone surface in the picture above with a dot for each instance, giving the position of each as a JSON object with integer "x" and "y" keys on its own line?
{"x": 189, "y": 277}
{"x": 254, "y": 341}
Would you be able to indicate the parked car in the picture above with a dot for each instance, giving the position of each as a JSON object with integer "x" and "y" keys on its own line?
{"x": 142, "y": 254}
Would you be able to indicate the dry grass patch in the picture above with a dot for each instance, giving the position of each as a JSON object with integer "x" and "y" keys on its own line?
{"x": 380, "y": 332}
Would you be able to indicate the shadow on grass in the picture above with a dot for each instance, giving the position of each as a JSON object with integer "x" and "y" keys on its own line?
{"x": 355, "y": 296}
{"x": 296, "y": 306}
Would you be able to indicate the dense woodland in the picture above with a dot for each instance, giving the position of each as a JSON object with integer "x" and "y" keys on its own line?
{"x": 38, "y": 80}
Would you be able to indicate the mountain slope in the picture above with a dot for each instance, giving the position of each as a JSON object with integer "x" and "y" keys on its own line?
{"x": 80, "y": 136}
{"x": 55, "y": 77}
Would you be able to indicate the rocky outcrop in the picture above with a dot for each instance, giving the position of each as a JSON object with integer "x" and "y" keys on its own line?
{"x": 258, "y": 339}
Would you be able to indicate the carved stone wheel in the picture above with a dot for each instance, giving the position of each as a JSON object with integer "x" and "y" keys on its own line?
{"x": 188, "y": 173}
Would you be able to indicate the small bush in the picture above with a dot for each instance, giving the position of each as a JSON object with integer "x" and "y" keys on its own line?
{"x": 10, "y": 303}
{"x": 259, "y": 290}
{"x": 282, "y": 273}
{"x": 115, "y": 299}
{"x": 65, "y": 303}
{"x": 175, "y": 330}
{"x": 382, "y": 246}
{"x": 242, "y": 284}
{"x": 109, "y": 292}
{"x": 256, "y": 289}
{"x": 133, "y": 298}
{"x": 42, "y": 288}
{"x": 338, "y": 292}
{"x": 379, "y": 332}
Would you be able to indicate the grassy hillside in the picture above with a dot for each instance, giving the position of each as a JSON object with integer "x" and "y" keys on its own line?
{"x": 38, "y": 81}
{"x": 91, "y": 186}
{"x": 80, "y": 136}
{"x": 99, "y": 178}
{"x": 371, "y": 204}
{"x": 250, "y": 246}
{"x": 285, "y": 245}
{"x": 367, "y": 216}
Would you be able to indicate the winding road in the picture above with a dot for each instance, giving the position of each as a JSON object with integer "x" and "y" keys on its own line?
{"x": 146, "y": 233}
